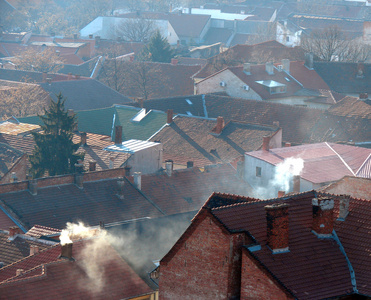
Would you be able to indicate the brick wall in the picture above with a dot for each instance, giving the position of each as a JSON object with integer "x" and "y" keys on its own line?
{"x": 205, "y": 266}
{"x": 257, "y": 284}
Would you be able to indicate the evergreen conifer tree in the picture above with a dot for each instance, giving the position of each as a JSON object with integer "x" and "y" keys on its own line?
{"x": 55, "y": 151}
{"x": 158, "y": 49}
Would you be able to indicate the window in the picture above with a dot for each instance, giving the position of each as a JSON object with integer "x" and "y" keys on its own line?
{"x": 287, "y": 39}
{"x": 258, "y": 171}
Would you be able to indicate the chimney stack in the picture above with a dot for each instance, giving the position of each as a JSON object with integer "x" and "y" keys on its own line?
{"x": 286, "y": 65}
{"x": 278, "y": 227}
{"x": 83, "y": 139}
{"x": 111, "y": 162}
{"x": 127, "y": 170}
{"x": 280, "y": 194}
{"x": 323, "y": 210}
{"x": 66, "y": 251}
{"x": 269, "y": 68}
{"x": 79, "y": 176}
{"x": 309, "y": 61}
{"x": 296, "y": 184}
{"x": 97, "y": 40}
{"x": 45, "y": 75}
{"x": 75, "y": 36}
{"x": 118, "y": 135}
{"x": 13, "y": 231}
{"x": 169, "y": 167}
{"x": 169, "y": 116}
{"x": 13, "y": 177}
{"x": 266, "y": 140}
{"x": 219, "y": 125}
{"x": 69, "y": 76}
{"x": 92, "y": 166}
{"x": 34, "y": 249}
{"x": 247, "y": 68}
{"x": 189, "y": 164}
{"x": 19, "y": 272}
{"x": 360, "y": 70}
{"x": 363, "y": 96}
{"x": 90, "y": 36}
{"x": 174, "y": 61}
{"x": 138, "y": 180}
{"x": 287, "y": 144}
{"x": 120, "y": 187}
{"x": 32, "y": 187}
{"x": 343, "y": 207}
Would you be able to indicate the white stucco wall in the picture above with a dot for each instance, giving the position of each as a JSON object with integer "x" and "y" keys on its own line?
{"x": 147, "y": 161}
{"x": 282, "y": 33}
{"x": 217, "y": 14}
{"x": 234, "y": 86}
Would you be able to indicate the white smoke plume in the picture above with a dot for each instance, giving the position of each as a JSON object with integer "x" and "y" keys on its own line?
{"x": 282, "y": 178}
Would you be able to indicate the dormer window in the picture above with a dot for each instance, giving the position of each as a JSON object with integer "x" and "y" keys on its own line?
{"x": 273, "y": 87}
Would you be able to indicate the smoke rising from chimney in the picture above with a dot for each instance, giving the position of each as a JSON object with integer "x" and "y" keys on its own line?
{"x": 282, "y": 179}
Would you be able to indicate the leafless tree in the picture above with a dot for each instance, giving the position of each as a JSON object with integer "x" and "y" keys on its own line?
{"x": 332, "y": 44}
{"x": 46, "y": 60}
{"x": 264, "y": 32}
{"x": 136, "y": 30}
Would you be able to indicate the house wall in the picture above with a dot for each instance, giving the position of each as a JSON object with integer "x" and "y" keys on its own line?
{"x": 147, "y": 161}
{"x": 300, "y": 101}
{"x": 94, "y": 27}
{"x": 276, "y": 140}
{"x": 204, "y": 266}
{"x": 234, "y": 87}
{"x": 265, "y": 184}
{"x": 282, "y": 33}
{"x": 217, "y": 14}
{"x": 256, "y": 284}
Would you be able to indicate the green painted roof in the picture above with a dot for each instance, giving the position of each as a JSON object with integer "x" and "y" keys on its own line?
{"x": 100, "y": 121}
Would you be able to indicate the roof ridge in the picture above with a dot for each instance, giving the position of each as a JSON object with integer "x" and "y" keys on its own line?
{"x": 368, "y": 157}
{"x": 342, "y": 160}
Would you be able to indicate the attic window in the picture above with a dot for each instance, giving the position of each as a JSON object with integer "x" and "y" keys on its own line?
{"x": 273, "y": 87}
{"x": 140, "y": 115}
{"x": 189, "y": 101}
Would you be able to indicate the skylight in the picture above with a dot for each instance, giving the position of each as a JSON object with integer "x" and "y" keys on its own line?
{"x": 189, "y": 101}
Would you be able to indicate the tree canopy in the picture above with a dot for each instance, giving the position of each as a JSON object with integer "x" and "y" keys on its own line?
{"x": 158, "y": 49}
{"x": 55, "y": 151}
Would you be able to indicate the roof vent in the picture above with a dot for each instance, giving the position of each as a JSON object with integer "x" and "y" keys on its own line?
{"x": 246, "y": 87}
{"x": 223, "y": 84}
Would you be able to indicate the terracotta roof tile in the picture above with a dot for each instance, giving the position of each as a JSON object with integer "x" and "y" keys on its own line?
{"x": 186, "y": 190}
{"x": 57, "y": 278}
{"x": 307, "y": 252}
{"x": 192, "y": 138}
{"x": 38, "y": 231}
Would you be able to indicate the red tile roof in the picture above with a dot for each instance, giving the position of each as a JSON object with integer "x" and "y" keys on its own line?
{"x": 309, "y": 256}
{"x": 186, "y": 190}
{"x": 57, "y": 278}
{"x": 38, "y": 231}
{"x": 308, "y": 78}
{"x": 324, "y": 162}
{"x": 356, "y": 187}
{"x": 191, "y": 139}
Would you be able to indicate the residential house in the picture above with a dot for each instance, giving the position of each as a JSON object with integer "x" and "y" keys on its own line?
{"x": 356, "y": 187}
{"x": 183, "y": 28}
{"x": 347, "y": 78}
{"x": 208, "y": 141}
{"x": 80, "y": 92}
{"x": 303, "y": 168}
{"x": 162, "y": 79}
{"x": 271, "y": 82}
{"x": 16, "y": 246}
{"x": 244, "y": 248}
{"x": 66, "y": 271}
{"x": 254, "y": 54}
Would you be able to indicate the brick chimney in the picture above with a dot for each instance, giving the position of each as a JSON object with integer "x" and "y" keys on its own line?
{"x": 169, "y": 167}
{"x": 363, "y": 96}
{"x": 13, "y": 231}
{"x": 265, "y": 145}
{"x": 286, "y": 65}
{"x": 219, "y": 125}
{"x": 32, "y": 186}
{"x": 92, "y": 166}
{"x": 34, "y": 249}
{"x": 66, "y": 251}
{"x": 269, "y": 68}
{"x": 280, "y": 194}
{"x": 296, "y": 184}
{"x": 174, "y": 61}
{"x": 169, "y": 116}
{"x": 138, "y": 180}
{"x": 120, "y": 187}
{"x": 278, "y": 227}
{"x": 83, "y": 139}
{"x": 323, "y": 210}
{"x": 343, "y": 207}
{"x": 287, "y": 144}
{"x": 79, "y": 176}
{"x": 90, "y": 36}
{"x": 360, "y": 70}
{"x": 118, "y": 134}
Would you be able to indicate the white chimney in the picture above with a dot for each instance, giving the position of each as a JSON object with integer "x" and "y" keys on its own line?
{"x": 169, "y": 167}
{"x": 138, "y": 180}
